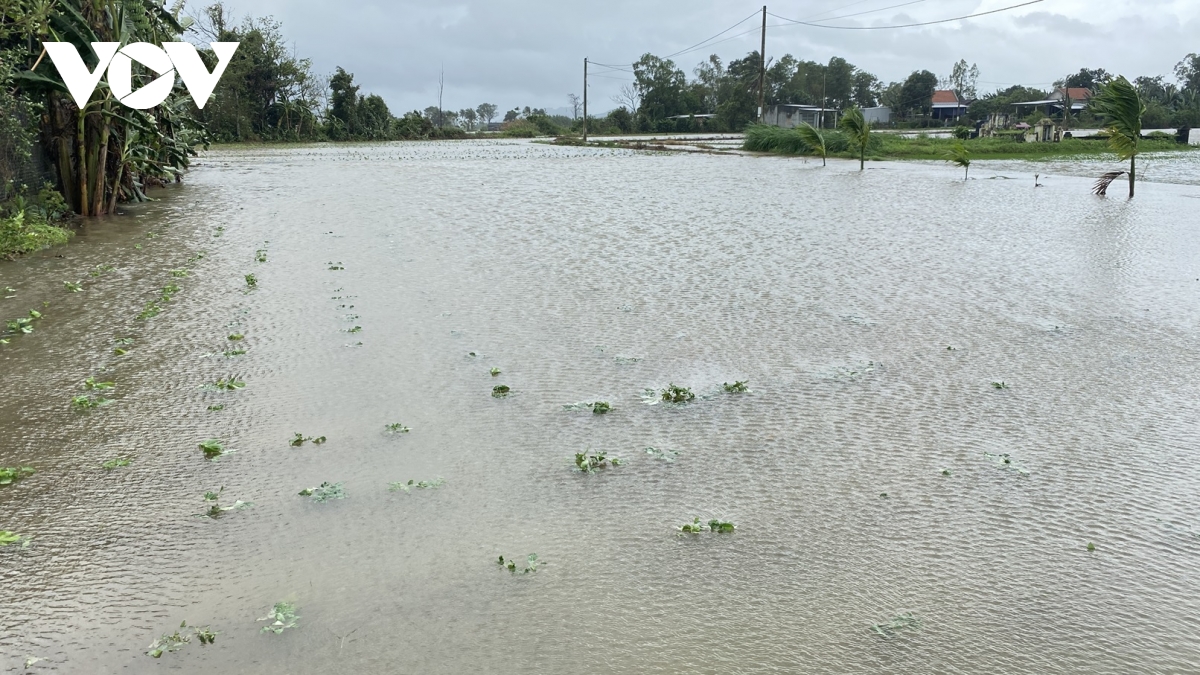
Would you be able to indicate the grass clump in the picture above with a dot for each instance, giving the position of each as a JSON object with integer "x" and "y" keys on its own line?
{"x": 25, "y": 230}
{"x": 260, "y": 255}
{"x": 899, "y": 622}
{"x": 9, "y": 475}
{"x": 591, "y": 463}
{"x": 531, "y": 564}
{"x": 9, "y": 538}
{"x": 714, "y": 525}
{"x": 282, "y": 616}
{"x": 422, "y": 484}
{"x": 601, "y": 407}
{"x": 230, "y": 383}
{"x": 115, "y": 463}
{"x": 324, "y": 492}
{"x": 500, "y": 390}
{"x": 151, "y": 310}
{"x": 213, "y": 449}
{"x": 676, "y": 394}
{"x": 251, "y": 280}
{"x": 88, "y": 402}
{"x": 999, "y": 385}
{"x": 737, "y": 387}
{"x": 300, "y": 439}
{"x": 397, "y": 428}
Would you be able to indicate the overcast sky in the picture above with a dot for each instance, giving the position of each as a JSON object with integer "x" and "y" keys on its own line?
{"x": 519, "y": 52}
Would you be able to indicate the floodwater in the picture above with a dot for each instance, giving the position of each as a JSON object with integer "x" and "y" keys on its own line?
{"x": 585, "y": 275}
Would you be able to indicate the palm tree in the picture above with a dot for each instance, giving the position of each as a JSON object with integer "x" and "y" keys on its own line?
{"x": 814, "y": 139}
{"x": 1121, "y": 107}
{"x": 858, "y": 130}
{"x": 958, "y": 154}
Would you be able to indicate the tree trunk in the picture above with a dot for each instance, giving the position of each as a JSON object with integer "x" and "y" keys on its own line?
{"x": 81, "y": 161}
{"x": 862, "y": 156}
{"x": 101, "y": 169}
{"x": 1132, "y": 174}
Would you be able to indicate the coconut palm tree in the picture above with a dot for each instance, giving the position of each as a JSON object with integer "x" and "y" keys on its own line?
{"x": 859, "y": 131}
{"x": 1121, "y": 107}
{"x": 958, "y": 154}
{"x": 814, "y": 139}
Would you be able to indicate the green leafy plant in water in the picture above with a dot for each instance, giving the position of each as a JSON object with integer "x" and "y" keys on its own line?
{"x": 199, "y": 255}
{"x": 168, "y": 292}
{"x": 220, "y": 230}
{"x": 215, "y": 510}
{"x": 324, "y": 492}
{"x": 1004, "y": 461}
{"x": 251, "y": 280}
{"x": 8, "y": 538}
{"x": 664, "y": 455}
{"x": 229, "y": 383}
{"x": 299, "y": 439}
{"x": 1091, "y": 547}
{"x": 236, "y": 336}
{"x": 101, "y": 269}
{"x": 15, "y": 473}
{"x": 260, "y": 255}
{"x": 422, "y": 484}
{"x": 168, "y": 643}
{"x": 121, "y": 344}
{"x": 282, "y": 616}
{"x": 152, "y": 309}
{"x": 494, "y": 372}
{"x": 676, "y": 394}
{"x": 714, "y": 525}
{"x": 999, "y": 385}
{"x": 216, "y": 408}
{"x": 87, "y": 402}
{"x": 397, "y": 428}
{"x": 231, "y": 353}
{"x": 213, "y": 449}
{"x": 601, "y": 407}
{"x": 899, "y": 622}
{"x": 91, "y": 383}
{"x": 590, "y": 463}
{"x": 737, "y": 387}
{"x": 335, "y": 266}
{"x": 531, "y": 564}
{"x": 500, "y": 390}
{"x": 73, "y": 286}
{"x": 115, "y": 463}
{"x": 181, "y": 273}
{"x": 356, "y": 329}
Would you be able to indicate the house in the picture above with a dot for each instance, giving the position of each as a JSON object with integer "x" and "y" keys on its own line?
{"x": 1077, "y": 96}
{"x": 1045, "y": 131}
{"x": 949, "y": 105}
{"x": 877, "y": 115}
{"x": 791, "y": 115}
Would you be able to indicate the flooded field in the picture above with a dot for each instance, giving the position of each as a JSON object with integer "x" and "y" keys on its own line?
{"x": 954, "y": 388}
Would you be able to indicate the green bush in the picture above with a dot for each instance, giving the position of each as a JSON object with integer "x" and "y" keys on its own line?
{"x": 28, "y": 225}
{"x": 519, "y": 129}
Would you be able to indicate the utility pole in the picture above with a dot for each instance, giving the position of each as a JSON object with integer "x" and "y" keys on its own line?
{"x": 822, "y": 113}
{"x": 585, "y": 100}
{"x": 441, "y": 83}
{"x": 762, "y": 72}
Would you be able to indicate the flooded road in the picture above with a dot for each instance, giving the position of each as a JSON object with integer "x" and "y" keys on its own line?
{"x": 865, "y": 469}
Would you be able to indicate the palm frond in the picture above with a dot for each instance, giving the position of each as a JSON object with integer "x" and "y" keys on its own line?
{"x": 1102, "y": 183}
{"x": 813, "y": 138}
{"x": 855, "y": 126}
{"x": 1119, "y": 103}
{"x": 958, "y": 154}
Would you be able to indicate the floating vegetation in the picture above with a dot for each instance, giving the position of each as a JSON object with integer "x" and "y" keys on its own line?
{"x": 397, "y": 428}
{"x": 229, "y": 383}
{"x": 335, "y": 266}
{"x": 999, "y": 385}
{"x": 230, "y": 353}
{"x": 472, "y": 354}
{"x": 13, "y": 474}
{"x": 714, "y": 525}
{"x": 737, "y": 387}
{"x": 9, "y": 538}
{"x": 251, "y": 280}
{"x": 122, "y": 343}
{"x": 677, "y": 394}
{"x": 168, "y": 643}
{"x": 213, "y": 449}
{"x": 1004, "y": 461}
{"x": 356, "y": 329}
{"x": 494, "y": 372}
{"x": 946, "y": 472}
{"x": 500, "y": 391}
{"x": 260, "y": 255}
{"x": 116, "y": 463}
{"x": 236, "y": 336}
{"x": 168, "y": 292}
{"x": 73, "y": 286}
{"x": 300, "y": 439}
{"x": 101, "y": 269}
{"x": 220, "y": 230}
{"x": 23, "y": 325}
{"x": 626, "y": 360}
{"x": 324, "y": 492}
{"x": 883, "y": 495}
{"x": 215, "y": 510}
{"x": 91, "y": 383}
{"x": 855, "y": 371}
{"x": 282, "y": 616}
{"x": 601, "y": 407}
{"x": 664, "y": 455}
{"x": 87, "y": 402}
{"x": 951, "y": 348}
{"x": 181, "y": 273}
{"x": 590, "y": 463}
{"x": 899, "y": 622}
{"x": 152, "y": 309}
{"x": 199, "y": 255}
{"x": 423, "y": 484}
{"x": 531, "y": 564}
{"x": 216, "y": 408}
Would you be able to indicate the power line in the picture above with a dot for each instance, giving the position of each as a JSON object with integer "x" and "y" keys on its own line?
{"x": 907, "y": 25}
{"x": 831, "y": 11}
{"x": 682, "y": 51}
{"x": 872, "y": 11}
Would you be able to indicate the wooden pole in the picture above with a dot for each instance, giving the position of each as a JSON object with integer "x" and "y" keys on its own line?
{"x": 762, "y": 72}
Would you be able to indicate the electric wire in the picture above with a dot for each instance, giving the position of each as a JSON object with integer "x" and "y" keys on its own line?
{"x": 870, "y": 11}
{"x": 907, "y": 25}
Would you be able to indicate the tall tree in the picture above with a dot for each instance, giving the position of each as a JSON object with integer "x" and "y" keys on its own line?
{"x": 487, "y": 112}
{"x": 964, "y": 79}
{"x": 867, "y": 88}
{"x": 660, "y": 86}
{"x": 1121, "y": 108}
{"x": 343, "y": 110}
{"x": 916, "y": 94}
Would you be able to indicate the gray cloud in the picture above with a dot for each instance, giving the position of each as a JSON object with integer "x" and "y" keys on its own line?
{"x": 520, "y": 52}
